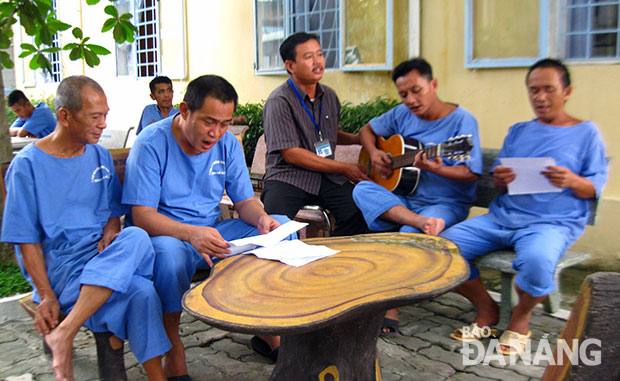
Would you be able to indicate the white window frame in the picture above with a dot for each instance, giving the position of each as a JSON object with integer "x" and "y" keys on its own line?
{"x": 414, "y": 26}
{"x": 562, "y": 42}
{"x": 472, "y": 62}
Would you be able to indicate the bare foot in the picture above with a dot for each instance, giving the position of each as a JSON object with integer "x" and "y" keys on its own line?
{"x": 61, "y": 346}
{"x": 433, "y": 226}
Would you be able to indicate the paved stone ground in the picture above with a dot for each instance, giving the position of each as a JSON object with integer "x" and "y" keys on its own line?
{"x": 422, "y": 351}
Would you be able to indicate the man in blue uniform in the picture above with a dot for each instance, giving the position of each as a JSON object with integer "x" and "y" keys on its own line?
{"x": 176, "y": 175}
{"x": 446, "y": 188}
{"x": 31, "y": 121}
{"x": 162, "y": 93}
{"x": 539, "y": 226}
{"x": 62, "y": 210}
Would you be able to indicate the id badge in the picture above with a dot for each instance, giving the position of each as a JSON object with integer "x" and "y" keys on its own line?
{"x": 323, "y": 149}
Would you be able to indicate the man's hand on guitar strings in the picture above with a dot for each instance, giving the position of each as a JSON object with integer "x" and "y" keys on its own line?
{"x": 421, "y": 161}
{"x": 381, "y": 163}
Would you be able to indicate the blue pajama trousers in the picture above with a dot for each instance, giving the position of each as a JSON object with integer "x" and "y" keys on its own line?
{"x": 133, "y": 311}
{"x": 374, "y": 200}
{"x": 539, "y": 247}
{"x": 176, "y": 261}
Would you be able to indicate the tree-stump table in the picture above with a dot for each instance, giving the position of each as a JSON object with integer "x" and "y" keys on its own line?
{"x": 329, "y": 312}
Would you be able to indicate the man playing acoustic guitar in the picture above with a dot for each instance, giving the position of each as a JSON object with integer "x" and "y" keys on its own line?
{"x": 446, "y": 188}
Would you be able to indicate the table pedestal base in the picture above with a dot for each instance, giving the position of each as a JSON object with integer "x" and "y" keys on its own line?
{"x": 344, "y": 351}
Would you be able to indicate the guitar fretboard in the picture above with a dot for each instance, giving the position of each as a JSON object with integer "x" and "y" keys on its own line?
{"x": 409, "y": 157}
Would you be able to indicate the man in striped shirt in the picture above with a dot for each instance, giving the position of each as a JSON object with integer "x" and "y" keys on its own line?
{"x": 301, "y": 123}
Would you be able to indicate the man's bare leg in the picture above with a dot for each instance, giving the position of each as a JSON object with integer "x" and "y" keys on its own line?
{"x": 273, "y": 341}
{"x": 175, "y": 364}
{"x": 403, "y": 216}
{"x": 154, "y": 370}
{"x": 486, "y": 308}
{"x": 60, "y": 339}
{"x": 522, "y": 312}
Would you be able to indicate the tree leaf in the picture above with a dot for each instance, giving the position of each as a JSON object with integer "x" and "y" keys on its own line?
{"x": 44, "y": 62}
{"x": 75, "y": 53}
{"x": 98, "y": 49}
{"x": 5, "y": 41}
{"x": 27, "y": 22}
{"x": 126, "y": 16}
{"x": 69, "y": 46}
{"x": 92, "y": 2}
{"x": 111, "y": 10}
{"x": 77, "y": 33}
{"x": 28, "y": 47}
{"x": 108, "y": 24}
{"x": 57, "y": 25}
{"x": 119, "y": 34}
{"x": 33, "y": 65}
{"x": 26, "y": 53}
{"x": 51, "y": 50}
{"x": 45, "y": 36}
{"x": 130, "y": 31}
{"x": 5, "y": 58}
{"x": 91, "y": 59}
{"x": 7, "y": 9}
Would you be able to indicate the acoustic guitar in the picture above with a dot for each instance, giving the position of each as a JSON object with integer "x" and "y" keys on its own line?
{"x": 404, "y": 178}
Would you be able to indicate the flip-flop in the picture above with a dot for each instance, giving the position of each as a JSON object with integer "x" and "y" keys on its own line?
{"x": 475, "y": 333}
{"x": 261, "y": 347}
{"x": 509, "y": 337}
{"x": 392, "y": 325}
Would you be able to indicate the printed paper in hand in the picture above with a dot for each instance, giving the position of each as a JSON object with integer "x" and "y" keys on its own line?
{"x": 273, "y": 237}
{"x": 529, "y": 179}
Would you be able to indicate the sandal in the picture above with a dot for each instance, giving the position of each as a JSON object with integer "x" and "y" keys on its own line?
{"x": 475, "y": 333}
{"x": 392, "y": 325}
{"x": 513, "y": 340}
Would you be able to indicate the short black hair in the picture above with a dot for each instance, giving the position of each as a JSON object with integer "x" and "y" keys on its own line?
{"x": 69, "y": 92}
{"x": 209, "y": 86}
{"x": 16, "y": 96}
{"x": 287, "y": 48}
{"x": 552, "y": 63}
{"x": 157, "y": 81}
{"x": 419, "y": 64}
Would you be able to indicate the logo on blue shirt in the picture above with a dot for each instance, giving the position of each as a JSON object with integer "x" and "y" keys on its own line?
{"x": 215, "y": 171}
{"x": 99, "y": 174}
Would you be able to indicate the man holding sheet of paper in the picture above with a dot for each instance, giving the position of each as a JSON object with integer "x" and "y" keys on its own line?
{"x": 176, "y": 174}
{"x": 548, "y": 171}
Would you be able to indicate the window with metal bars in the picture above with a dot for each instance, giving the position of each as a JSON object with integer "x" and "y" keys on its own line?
{"x": 56, "y": 74}
{"x": 276, "y": 19}
{"x": 141, "y": 58}
{"x": 590, "y": 29}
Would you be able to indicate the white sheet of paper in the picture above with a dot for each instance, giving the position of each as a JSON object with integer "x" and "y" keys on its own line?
{"x": 293, "y": 253}
{"x": 273, "y": 237}
{"x": 529, "y": 179}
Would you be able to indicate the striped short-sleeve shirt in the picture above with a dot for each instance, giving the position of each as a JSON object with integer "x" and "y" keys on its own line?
{"x": 288, "y": 125}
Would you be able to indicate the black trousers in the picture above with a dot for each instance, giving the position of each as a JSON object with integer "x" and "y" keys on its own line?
{"x": 283, "y": 198}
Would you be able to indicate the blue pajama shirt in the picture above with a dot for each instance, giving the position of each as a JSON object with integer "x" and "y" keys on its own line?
{"x": 539, "y": 226}
{"x": 187, "y": 189}
{"x": 40, "y": 124}
{"x": 151, "y": 114}
{"x": 435, "y": 196}
{"x": 63, "y": 205}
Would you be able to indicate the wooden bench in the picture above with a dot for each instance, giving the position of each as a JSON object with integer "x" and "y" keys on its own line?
{"x": 501, "y": 260}
{"x": 110, "y": 349}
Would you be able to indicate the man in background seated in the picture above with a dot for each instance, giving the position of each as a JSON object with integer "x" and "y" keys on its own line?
{"x": 539, "y": 226}
{"x": 446, "y": 188}
{"x": 36, "y": 122}
{"x": 176, "y": 174}
{"x": 162, "y": 93}
{"x": 62, "y": 210}
{"x": 302, "y": 128}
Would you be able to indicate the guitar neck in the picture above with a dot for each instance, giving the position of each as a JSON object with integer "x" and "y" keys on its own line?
{"x": 408, "y": 158}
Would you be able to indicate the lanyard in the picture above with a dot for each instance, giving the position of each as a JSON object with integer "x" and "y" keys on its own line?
{"x": 316, "y": 125}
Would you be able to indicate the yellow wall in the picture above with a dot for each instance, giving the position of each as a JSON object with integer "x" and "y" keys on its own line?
{"x": 220, "y": 39}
